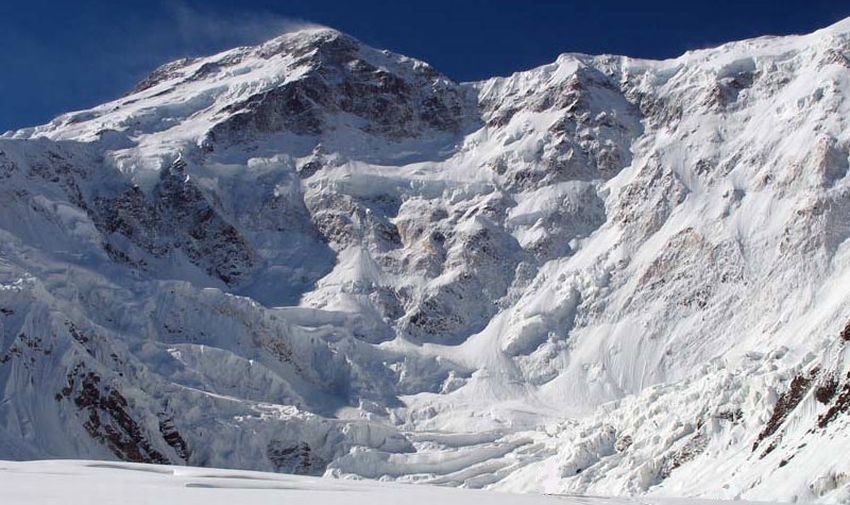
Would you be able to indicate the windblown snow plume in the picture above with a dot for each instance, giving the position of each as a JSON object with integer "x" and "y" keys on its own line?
{"x": 603, "y": 276}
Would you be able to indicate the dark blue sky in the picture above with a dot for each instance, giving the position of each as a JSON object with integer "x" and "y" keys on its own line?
{"x": 61, "y": 55}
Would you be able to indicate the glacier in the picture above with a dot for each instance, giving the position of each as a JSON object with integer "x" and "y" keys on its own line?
{"x": 602, "y": 276}
{"x": 85, "y": 482}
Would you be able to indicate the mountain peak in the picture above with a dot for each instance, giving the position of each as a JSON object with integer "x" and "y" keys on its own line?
{"x": 330, "y": 77}
{"x": 292, "y": 41}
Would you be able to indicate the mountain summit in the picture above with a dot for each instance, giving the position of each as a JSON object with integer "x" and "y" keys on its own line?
{"x": 604, "y": 275}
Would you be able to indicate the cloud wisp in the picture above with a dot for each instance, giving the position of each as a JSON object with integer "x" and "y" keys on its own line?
{"x": 198, "y": 30}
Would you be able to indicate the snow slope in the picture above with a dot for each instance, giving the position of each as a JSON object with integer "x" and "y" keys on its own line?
{"x": 86, "y": 482}
{"x": 601, "y": 276}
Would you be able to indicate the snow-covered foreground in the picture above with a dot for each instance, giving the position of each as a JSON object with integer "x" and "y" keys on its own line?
{"x": 70, "y": 482}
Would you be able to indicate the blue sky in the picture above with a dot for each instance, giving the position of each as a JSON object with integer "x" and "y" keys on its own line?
{"x": 62, "y": 55}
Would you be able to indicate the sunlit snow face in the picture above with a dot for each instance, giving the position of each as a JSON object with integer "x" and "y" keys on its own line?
{"x": 600, "y": 276}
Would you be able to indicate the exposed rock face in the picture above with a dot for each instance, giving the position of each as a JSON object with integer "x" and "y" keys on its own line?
{"x": 297, "y": 458}
{"x": 591, "y": 124}
{"x": 176, "y": 217}
{"x": 316, "y": 257}
{"x": 385, "y": 95}
{"x": 108, "y": 419}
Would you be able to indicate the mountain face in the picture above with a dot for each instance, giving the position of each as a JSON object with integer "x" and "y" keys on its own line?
{"x": 601, "y": 276}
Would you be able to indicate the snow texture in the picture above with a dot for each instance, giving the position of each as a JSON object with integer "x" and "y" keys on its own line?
{"x": 602, "y": 276}
{"x": 86, "y": 482}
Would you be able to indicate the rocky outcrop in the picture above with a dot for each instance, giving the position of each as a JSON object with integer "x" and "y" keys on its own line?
{"x": 176, "y": 217}
{"x": 391, "y": 96}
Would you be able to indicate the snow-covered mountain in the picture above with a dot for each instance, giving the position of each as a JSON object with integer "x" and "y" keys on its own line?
{"x": 601, "y": 276}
